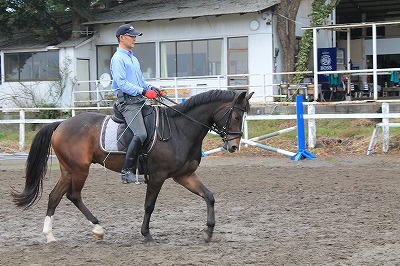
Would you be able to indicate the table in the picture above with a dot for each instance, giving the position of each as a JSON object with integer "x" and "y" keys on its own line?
{"x": 385, "y": 90}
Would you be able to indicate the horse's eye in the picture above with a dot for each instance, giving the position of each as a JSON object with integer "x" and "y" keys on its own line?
{"x": 237, "y": 118}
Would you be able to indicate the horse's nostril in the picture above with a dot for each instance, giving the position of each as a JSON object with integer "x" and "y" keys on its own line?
{"x": 233, "y": 149}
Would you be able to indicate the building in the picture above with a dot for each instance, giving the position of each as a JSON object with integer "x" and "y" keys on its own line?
{"x": 196, "y": 45}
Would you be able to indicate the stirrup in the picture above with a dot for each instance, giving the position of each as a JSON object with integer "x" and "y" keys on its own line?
{"x": 128, "y": 177}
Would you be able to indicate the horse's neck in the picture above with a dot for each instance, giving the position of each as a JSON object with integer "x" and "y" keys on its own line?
{"x": 197, "y": 120}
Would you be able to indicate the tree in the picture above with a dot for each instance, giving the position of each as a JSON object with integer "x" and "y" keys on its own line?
{"x": 320, "y": 11}
{"x": 286, "y": 29}
{"x": 47, "y": 19}
{"x": 286, "y": 17}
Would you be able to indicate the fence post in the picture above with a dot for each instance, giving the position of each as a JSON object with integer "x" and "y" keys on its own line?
{"x": 385, "y": 128}
{"x": 73, "y": 100}
{"x": 301, "y": 141}
{"x": 245, "y": 128}
{"x": 21, "y": 129}
{"x": 312, "y": 128}
{"x": 97, "y": 94}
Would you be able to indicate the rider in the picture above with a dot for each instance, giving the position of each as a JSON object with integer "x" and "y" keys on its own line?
{"x": 129, "y": 86}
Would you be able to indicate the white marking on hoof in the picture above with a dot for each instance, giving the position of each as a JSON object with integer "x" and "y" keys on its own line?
{"x": 47, "y": 229}
{"x": 98, "y": 232}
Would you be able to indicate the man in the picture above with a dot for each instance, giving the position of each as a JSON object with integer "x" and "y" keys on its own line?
{"x": 130, "y": 88}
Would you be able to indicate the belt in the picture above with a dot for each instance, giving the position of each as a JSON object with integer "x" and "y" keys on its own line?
{"x": 124, "y": 97}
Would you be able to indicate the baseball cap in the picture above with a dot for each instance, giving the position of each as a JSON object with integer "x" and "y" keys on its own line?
{"x": 127, "y": 29}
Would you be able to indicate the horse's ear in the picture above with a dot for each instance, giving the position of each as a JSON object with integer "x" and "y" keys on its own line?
{"x": 248, "y": 96}
{"x": 241, "y": 97}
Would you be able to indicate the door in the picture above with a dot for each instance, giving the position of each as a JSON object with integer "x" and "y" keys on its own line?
{"x": 82, "y": 89}
{"x": 238, "y": 63}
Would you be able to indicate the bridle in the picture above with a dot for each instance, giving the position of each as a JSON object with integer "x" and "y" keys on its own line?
{"x": 225, "y": 129}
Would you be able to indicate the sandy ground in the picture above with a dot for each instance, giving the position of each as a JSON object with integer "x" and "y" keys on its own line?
{"x": 269, "y": 211}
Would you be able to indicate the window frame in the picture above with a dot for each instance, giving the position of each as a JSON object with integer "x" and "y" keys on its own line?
{"x": 164, "y": 73}
{"x": 113, "y": 48}
{"x": 37, "y": 64}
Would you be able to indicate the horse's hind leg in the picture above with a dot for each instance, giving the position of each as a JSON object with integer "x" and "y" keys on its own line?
{"x": 55, "y": 197}
{"x": 193, "y": 184}
{"x": 73, "y": 187}
{"x": 74, "y": 195}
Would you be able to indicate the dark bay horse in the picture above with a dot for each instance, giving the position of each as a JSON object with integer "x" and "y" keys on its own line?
{"x": 76, "y": 143}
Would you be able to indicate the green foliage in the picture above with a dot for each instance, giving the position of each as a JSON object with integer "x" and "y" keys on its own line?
{"x": 45, "y": 19}
{"x": 259, "y": 128}
{"x": 17, "y": 16}
{"x": 49, "y": 114}
{"x": 320, "y": 11}
{"x": 326, "y": 128}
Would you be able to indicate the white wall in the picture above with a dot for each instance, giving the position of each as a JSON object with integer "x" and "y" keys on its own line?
{"x": 260, "y": 40}
{"x": 42, "y": 90}
{"x": 383, "y": 46}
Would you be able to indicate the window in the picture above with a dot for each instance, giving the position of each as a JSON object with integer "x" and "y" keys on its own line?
{"x": 144, "y": 52}
{"x": 39, "y": 66}
{"x": 191, "y": 58}
{"x": 237, "y": 51}
{"x": 104, "y": 54}
{"x": 238, "y": 62}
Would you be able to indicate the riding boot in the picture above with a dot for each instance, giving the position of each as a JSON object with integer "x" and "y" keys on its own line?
{"x": 131, "y": 158}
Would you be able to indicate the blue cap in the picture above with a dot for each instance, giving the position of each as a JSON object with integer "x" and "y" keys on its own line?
{"x": 127, "y": 29}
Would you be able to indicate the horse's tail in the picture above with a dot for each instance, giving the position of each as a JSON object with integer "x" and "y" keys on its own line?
{"x": 36, "y": 167}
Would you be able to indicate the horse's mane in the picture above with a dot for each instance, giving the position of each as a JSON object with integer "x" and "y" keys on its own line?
{"x": 202, "y": 98}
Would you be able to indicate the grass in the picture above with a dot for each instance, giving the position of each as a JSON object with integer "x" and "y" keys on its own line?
{"x": 334, "y": 136}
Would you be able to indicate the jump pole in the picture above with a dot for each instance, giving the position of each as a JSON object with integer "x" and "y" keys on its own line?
{"x": 256, "y": 144}
{"x": 301, "y": 140}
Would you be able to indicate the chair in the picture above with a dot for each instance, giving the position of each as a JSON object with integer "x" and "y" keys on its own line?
{"x": 365, "y": 90}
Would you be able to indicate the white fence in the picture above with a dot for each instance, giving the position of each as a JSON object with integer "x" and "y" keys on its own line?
{"x": 266, "y": 86}
{"x": 310, "y": 116}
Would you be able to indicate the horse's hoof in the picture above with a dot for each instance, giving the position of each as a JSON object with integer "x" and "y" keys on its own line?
{"x": 98, "y": 232}
{"x": 98, "y": 236}
{"x": 150, "y": 243}
{"x": 49, "y": 237}
{"x": 51, "y": 240}
{"x": 206, "y": 236}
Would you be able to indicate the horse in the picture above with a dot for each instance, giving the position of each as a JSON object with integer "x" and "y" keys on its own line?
{"x": 75, "y": 142}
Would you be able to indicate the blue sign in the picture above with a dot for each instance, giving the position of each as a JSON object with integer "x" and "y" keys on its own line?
{"x": 327, "y": 59}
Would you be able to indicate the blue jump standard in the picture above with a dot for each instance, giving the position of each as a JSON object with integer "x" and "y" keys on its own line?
{"x": 302, "y": 151}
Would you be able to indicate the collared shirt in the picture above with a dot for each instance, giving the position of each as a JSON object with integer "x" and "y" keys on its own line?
{"x": 126, "y": 73}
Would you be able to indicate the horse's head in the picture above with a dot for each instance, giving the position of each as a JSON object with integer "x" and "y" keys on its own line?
{"x": 229, "y": 120}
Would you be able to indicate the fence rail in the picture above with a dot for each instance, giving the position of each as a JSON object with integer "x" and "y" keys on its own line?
{"x": 310, "y": 116}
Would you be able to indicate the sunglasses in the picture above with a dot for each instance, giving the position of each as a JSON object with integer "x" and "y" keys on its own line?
{"x": 133, "y": 36}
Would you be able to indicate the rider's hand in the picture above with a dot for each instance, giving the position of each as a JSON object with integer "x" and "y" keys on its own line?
{"x": 150, "y": 94}
{"x": 158, "y": 91}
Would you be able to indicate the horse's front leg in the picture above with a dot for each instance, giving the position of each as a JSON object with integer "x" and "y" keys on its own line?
{"x": 193, "y": 183}
{"x": 153, "y": 189}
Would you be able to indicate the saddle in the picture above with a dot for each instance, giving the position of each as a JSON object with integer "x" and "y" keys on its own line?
{"x": 115, "y": 135}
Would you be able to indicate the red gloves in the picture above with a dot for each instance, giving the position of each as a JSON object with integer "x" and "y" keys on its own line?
{"x": 150, "y": 94}
{"x": 159, "y": 92}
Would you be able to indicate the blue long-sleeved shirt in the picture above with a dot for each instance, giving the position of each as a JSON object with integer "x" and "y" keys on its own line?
{"x": 126, "y": 73}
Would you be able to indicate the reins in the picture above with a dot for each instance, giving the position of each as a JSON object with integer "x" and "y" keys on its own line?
{"x": 213, "y": 128}
{"x": 222, "y": 133}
